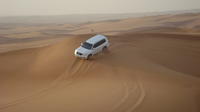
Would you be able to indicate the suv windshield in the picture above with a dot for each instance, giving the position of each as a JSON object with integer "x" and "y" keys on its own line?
{"x": 87, "y": 45}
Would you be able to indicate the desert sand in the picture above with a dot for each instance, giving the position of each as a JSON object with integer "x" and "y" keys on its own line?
{"x": 151, "y": 70}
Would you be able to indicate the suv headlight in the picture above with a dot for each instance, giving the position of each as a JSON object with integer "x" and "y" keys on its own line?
{"x": 79, "y": 53}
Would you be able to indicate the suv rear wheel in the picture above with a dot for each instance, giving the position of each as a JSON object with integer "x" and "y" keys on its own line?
{"x": 104, "y": 48}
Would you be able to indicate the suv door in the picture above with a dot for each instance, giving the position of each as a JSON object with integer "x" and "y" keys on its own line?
{"x": 99, "y": 46}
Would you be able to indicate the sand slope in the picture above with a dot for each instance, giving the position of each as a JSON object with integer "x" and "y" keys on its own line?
{"x": 151, "y": 72}
{"x": 152, "y": 66}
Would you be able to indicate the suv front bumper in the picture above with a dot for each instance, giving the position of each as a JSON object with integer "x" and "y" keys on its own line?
{"x": 80, "y": 56}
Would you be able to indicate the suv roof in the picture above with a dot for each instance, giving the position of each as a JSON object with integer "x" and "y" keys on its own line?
{"x": 95, "y": 39}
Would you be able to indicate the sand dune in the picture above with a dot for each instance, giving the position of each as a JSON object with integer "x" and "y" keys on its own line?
{"x": 171, "y": 23}
{"x": 141, "y": 72}
{"x": 152, "y": 65}
{"x": 183, "y": 23}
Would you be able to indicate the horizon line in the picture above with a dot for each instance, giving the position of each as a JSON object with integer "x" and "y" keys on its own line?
{"x": 166, "y": 11}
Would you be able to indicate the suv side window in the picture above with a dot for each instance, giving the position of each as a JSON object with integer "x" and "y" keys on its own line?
{"x": 99, "y": 43}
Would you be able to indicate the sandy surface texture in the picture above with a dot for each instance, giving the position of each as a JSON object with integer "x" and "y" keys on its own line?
{"x": 149, "y": 71}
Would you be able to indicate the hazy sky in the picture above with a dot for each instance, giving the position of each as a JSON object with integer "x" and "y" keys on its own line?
{"x": 51, "y": 7}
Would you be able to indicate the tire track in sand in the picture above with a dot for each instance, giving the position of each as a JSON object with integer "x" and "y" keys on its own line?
{"x": 140, "y": 98}
{"x": 70, "y": 73}
{"x": 131, "y": 89}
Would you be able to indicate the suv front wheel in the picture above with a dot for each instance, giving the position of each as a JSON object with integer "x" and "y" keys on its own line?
{"x": 89, "y": 56}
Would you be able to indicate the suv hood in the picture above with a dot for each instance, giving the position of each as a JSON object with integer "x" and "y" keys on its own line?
{"x": 83, "y": 50}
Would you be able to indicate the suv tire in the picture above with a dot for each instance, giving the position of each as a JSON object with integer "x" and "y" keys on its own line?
{"x": 89, "y": 56}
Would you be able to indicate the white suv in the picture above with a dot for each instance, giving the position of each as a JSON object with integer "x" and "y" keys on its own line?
{"x": 92, "y": 46}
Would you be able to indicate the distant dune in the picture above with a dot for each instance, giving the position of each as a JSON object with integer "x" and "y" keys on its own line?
{"x": 152, "y": 65}
{"x": 182, "y": 23}
{"x": 165, "y": 24}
